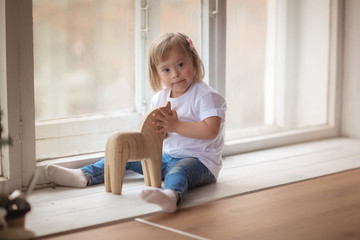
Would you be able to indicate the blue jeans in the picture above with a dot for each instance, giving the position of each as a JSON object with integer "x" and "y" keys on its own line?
{"x": 179, "y": 174}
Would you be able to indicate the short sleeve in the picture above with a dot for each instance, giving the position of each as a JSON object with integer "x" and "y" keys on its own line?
{"x": 210, "y": 105}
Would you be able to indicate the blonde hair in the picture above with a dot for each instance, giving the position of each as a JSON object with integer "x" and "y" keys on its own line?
{"x": 159, "y": 51}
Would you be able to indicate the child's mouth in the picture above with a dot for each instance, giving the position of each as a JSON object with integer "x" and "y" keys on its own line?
{"x": 178, "y": 82}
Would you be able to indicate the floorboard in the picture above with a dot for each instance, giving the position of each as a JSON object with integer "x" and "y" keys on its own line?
{"x": 128, "y": 230}
{"x": 323, "y": 208}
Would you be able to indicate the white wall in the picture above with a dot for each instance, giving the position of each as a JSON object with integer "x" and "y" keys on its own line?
{"x": 350, "y": 122}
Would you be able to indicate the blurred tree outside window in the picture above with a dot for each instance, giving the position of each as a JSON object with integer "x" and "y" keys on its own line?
{"x": 84, "y": 67}
{"x": 84, "y": 53}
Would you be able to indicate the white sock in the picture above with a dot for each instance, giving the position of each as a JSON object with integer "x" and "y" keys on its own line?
{"x": 165, "y": 199}
{"x": 66, "y": 176}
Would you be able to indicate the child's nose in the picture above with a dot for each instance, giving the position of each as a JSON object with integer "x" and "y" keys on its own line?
{"x": 176, "y": 73}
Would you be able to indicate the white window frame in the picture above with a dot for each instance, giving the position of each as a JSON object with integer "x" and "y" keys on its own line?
{"x": 17, "y": 97}
{"x": 17, "y": 100}
{"x": 332, "y": 128}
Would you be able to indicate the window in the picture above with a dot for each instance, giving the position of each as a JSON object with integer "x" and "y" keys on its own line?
{"x": 273, "y": 77}
{"x": 278, "y": 57}
{"x": 259, "y": 54}
{"x": 172, "y": 18}
{"x": 84, "y": 57}
{"x": 87, "y": 81}
{"x": 84, "y": 73}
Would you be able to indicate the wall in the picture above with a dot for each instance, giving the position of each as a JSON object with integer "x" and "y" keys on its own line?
{"x": 350, "y": 122}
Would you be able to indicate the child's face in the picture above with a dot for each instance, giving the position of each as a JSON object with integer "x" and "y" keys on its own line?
{"x": 176, "y": 73}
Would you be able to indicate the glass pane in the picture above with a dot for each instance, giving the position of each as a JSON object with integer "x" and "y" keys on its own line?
{"x": 245, "y": 64}
{"x": 306, "y": 64}
{"x": 84, "y": 54}
{"x": 182, "y": 16}
{"x": 275, "y": 82}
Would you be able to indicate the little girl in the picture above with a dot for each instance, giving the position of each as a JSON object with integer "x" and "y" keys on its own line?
{"x": 194, "y": 130}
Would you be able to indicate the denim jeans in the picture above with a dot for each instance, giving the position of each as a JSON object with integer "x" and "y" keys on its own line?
{"x": 179, "y": 174}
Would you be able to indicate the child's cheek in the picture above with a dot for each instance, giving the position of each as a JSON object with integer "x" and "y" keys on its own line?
{"x": 189, "y": 73}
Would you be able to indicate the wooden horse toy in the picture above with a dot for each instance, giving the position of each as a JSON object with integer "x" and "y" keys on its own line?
{"x": 144, "y": 145}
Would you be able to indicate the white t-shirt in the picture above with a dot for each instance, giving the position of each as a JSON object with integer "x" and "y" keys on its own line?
{"x": 198, "y": 103}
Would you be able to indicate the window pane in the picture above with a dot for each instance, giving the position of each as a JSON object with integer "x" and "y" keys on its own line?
{"x": 275, "y": 82}
{"x": 182, "y": 16}
{"x": 245, "y": 64}
{"x": 84, "y": 51}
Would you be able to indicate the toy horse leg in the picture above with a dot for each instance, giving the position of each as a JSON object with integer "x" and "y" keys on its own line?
{"x": 146, "y": 173}
{"x": 115, "y": 165}
{"x": 154, "y": 166}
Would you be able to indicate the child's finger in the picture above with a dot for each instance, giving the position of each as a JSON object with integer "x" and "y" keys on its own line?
{"x": 159, "y": 117}
{"x": 160, "y": 130}
{"x": 163, "y": 111}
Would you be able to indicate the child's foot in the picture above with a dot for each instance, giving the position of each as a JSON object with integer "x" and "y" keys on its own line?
{"x": 66, "y": 176}
{"x": 165, "y": 199}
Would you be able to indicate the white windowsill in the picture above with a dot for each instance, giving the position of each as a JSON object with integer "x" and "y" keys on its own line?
{"x": 63, "y": 209}
{"x": 69, "y": 162}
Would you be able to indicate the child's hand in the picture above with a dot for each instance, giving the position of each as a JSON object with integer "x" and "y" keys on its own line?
{"x": 167, "y": 122}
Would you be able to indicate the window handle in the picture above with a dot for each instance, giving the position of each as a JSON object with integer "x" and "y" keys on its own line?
{"x": 145, "y": 9}
{"x": 215, "y": 11}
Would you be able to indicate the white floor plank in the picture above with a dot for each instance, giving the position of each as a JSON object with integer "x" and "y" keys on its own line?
{"x": 64, "y": 209}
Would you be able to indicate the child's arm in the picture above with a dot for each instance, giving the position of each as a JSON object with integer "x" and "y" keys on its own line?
{"x": 206, "y": 129}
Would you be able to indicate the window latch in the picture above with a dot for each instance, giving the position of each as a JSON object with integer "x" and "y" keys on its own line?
{"x": 215, "y": 11}
{"x": 145, "y": 9}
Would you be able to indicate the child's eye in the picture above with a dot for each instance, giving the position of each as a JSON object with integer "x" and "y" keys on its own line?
{"x": 181, "y": 64}
{"x": 165, "y": 70}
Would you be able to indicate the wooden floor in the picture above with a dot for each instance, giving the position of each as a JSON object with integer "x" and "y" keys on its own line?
{"x": 322, "y": 208}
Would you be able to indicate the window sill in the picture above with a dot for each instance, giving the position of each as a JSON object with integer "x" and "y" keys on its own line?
{"x": 61, "y": 209}
{"x": 69, "y": 162}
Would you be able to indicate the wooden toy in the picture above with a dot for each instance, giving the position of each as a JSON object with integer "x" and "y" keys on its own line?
{"x": 144, "y": 145}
